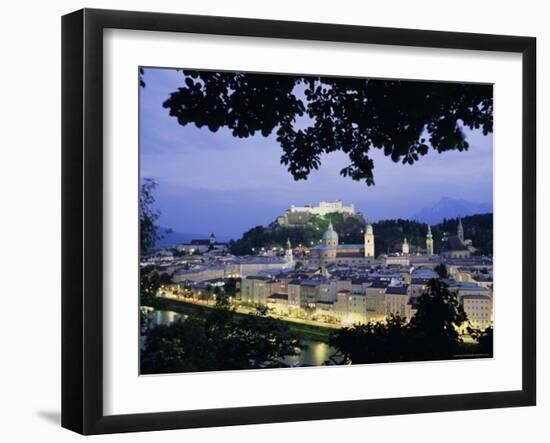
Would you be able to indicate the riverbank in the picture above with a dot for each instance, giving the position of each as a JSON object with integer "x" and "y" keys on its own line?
{"x": 303, "y": 331}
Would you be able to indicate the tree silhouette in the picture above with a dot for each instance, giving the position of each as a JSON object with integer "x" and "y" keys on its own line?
{"x": 217, "y": 341}
{"x": 151, "y": 278}
{"x": 441, "y": 270}
{"x": 149, "y": 232}
{"x": 313, "y": 115}
{"x": 439, "y": 314}
{"x": 430, "y": 335}
{"x": 484, "y": 338}
{"x": 147, "y": 216}
{"x": 374, "y": 342}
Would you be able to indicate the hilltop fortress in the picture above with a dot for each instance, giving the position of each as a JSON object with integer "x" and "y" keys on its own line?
{"x": 300, "y": 215}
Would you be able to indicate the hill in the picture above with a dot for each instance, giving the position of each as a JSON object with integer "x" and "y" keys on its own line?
{"x": 389, "y": 234}
{"x": 173, "y": 238}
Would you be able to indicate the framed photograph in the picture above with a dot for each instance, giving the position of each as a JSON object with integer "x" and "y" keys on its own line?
{"x": 269, "y": 221}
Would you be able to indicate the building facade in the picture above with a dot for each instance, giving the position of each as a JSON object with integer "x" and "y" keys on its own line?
{"x": 331, "y": 252}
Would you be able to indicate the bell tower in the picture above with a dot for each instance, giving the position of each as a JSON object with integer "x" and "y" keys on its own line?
{"x": 369, "y": 241}
{"x": 288, "y": 254}
{"x": 405, "y": 247}
{"x": 429, "y": 242}
{"x": 460, "y": 231}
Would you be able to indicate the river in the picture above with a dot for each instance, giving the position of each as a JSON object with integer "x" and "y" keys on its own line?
{"x": 316, "y": 353}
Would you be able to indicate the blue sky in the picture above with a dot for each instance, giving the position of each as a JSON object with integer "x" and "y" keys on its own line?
{"x": 215, "y": 182}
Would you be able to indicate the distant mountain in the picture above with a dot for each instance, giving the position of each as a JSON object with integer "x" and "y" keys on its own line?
{"x": 175, "y": 238}
{"x": 451, "y": 208}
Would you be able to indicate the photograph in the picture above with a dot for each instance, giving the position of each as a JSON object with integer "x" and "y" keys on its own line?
{"x": 291, "y": 221}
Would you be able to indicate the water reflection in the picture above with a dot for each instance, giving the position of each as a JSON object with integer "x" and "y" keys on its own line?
{"x": 316, "y": 354}
{"x": 163, "y": 317}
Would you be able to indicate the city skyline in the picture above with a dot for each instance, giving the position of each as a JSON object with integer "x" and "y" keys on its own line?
{"x": 311, "y": 283}
{"x": 215, "y": 182}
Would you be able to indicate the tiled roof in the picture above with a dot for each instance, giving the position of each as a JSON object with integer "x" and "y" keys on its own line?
{"x": 400, "y": 290}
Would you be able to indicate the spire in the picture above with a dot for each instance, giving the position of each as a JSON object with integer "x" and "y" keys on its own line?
{"x": 405, "y": 246}
{"x": 429, "y": 242}
{"x": 330, "y": 228}
{"x": 288, "y": 254}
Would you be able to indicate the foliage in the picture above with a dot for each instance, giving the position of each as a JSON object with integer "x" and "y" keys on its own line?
{"x": 430, "y": 335}
{"x": 441, "y": 270}
{"x": 147, "y": 216}
{"x": 439, "y": 314}
{"x": 313, "y": 115}
{"x": 149, "y": 232}
{"x": 484, "y": 339}
{"x": 374, "y": 342}
{"x": 388, "y": 234}
{"x": 217, "y": 341}
{"x": 349, "y": 228}
{"x": 230, "y": 286}
{"x": 151, "y": 278}
{"x": 262, "y": 310}
{"x": 478, "y": 228}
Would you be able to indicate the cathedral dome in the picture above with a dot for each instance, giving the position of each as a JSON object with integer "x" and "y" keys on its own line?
{"x": 330, "y": 234}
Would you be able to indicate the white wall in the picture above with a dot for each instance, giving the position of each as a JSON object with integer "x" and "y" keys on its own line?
{"x": 30, "y": 222}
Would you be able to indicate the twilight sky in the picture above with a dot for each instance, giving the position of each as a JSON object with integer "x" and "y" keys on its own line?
{"x": 215, "y": 182}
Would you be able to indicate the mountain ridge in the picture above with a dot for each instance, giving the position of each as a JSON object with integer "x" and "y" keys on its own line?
{"x": 173, "y": 238}
{"x": 448, "y": 207}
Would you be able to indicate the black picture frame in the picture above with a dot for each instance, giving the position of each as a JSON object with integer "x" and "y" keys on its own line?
{"x": 82, "y": 215}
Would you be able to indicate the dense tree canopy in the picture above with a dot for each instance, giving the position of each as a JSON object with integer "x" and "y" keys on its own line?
{"x": 349, "y": 228}
{"x": 389, "y": 234}
{"x": 218, "y": 340}
{"x": 313, "y": 115}
{"x": 438, "y": 315}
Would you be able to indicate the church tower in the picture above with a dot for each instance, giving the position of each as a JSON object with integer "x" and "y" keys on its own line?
{"x": 429, "y": 242}
{"x": 405, "y": 247}
{"x": 212, "y": 239}
{"x": 288, "y": 254}
{"x": 460, "y": 231}
{"x": 369, "y": 241}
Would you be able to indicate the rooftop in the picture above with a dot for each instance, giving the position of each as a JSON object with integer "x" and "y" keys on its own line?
{"x": 398, "y": 290}
{"x": 453, "y": 243}
{"x": 475, "y": 297}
